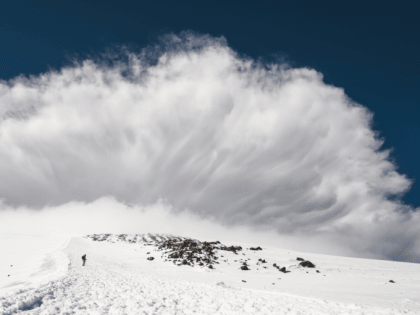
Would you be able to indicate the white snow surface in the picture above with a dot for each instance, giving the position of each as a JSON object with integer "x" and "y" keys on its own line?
{"x": 119, "y": 279}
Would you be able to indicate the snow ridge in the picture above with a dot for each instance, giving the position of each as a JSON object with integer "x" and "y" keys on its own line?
{"x": 192, "y": 252}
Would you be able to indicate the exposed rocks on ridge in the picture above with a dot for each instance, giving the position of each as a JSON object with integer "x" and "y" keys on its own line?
{"x": 182, "y": 251}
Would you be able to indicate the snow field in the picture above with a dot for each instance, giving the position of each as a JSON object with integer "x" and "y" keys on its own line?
{"x": 117, "y": 279}
{"x": 28, "y": 260}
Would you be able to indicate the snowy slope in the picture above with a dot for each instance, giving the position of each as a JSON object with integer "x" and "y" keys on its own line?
{"x": 119, "y": 279}
{"x": 31, "y": 259}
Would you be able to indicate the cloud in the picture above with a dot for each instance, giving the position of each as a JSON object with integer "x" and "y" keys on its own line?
{"x": 107, "y": 215}
{"x": 229, "y": 140}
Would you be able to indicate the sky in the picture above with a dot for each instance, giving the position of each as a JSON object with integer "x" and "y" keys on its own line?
{"x": 286, "y": 118}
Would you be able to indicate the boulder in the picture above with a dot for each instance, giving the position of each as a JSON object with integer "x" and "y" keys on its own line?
{"x": 244, "y": 268}
{"x": 174, "y": 255}
{"x": 301, "y": 259}
{"x": 307, "y": 263}
{"x": 150, "y": 258}
{"x": 255, "y": 248}
{"x": 283, "y": 269}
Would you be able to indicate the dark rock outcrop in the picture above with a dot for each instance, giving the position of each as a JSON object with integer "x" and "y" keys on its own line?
{"x": 307, "y": 263}
{"x": 185, "y": 251}
{"x": 194, "y": 251}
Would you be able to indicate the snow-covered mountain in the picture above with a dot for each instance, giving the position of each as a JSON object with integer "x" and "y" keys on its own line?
{"x": 165, "y": 274}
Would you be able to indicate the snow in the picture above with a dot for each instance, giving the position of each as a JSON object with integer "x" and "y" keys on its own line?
{"x": 118, "y": 279}
{"x": 31, "y": 259}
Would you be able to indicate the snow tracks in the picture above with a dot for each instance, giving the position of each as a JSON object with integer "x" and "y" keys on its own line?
{"x": 108, "y": 285}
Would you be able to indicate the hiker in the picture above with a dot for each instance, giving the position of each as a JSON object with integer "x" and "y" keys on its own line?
{"x": 84, "y": 259}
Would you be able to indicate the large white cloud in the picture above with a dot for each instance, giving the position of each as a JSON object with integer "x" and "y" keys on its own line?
{"x": 225, "y": 137}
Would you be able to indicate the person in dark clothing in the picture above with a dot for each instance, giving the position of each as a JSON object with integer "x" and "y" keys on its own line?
{"x": 84, "y": 259}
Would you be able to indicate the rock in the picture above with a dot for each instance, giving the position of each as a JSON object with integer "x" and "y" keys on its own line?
{"x": 244, "y": 268}
{"x": 256, "y": 248}
{"x": 274, "y": 265}
{"x": 233, "y": 249}
{"x": 150, "y": 258}
{"x": 392, "y": 281}
{"x": 182, "y": 251}
{"x": 301, "y": 259}
{"x": 243, "y": 281}
{"x": 307, "y": 263}
{"x": 210, "y": 267}
{"x": 283, "y": 269}
{"x": 174, "y": 255}
{"x": 317, "y": 271}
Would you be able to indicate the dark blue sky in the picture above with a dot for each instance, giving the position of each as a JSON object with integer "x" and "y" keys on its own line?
{"x": 369, "y": 48}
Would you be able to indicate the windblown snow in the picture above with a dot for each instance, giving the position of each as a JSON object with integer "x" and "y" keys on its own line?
{"x": 164, "y": 274}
